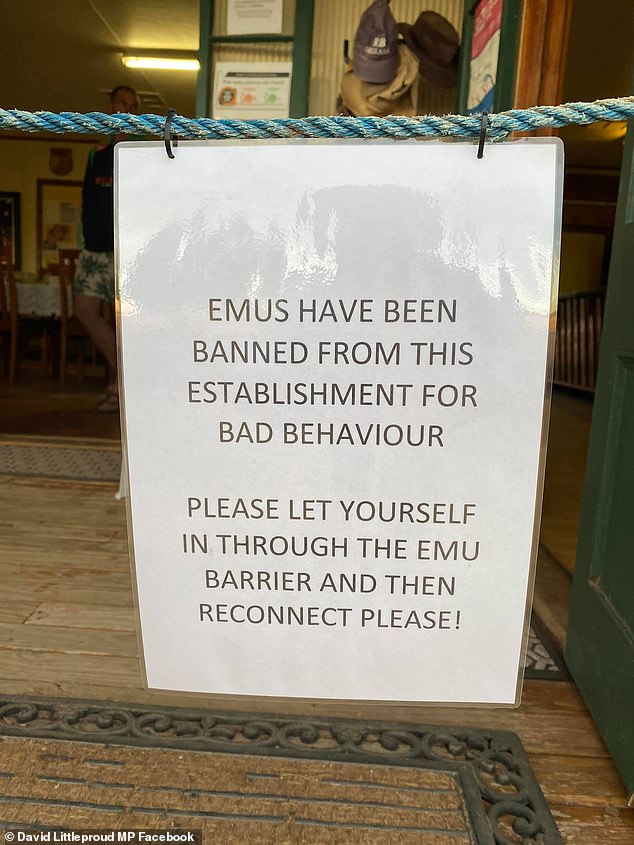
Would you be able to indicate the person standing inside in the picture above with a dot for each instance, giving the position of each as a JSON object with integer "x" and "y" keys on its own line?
{"x": 94, "y": 277}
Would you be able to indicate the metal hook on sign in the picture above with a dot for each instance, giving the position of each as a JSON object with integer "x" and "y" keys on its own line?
{"x": 484, "y": 123}
{"x": 166, "y": 134}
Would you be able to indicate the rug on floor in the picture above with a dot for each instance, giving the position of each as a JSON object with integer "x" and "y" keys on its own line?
{"x": 544, "y": 660}
{"x": 60, "y": 458}
{"x": 268, "y": 779}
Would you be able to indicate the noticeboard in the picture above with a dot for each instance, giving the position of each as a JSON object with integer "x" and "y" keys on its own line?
{"x": 488, "y": 55}
{"x": 335, "y": 359}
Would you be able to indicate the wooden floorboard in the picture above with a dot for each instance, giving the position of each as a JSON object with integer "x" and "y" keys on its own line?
{"x": 572, "y": 780}
{"x": 35, "y": 404}
{"x": 100, "y": 617}
{"x": 11, "y": 612}
{"x": 65, "y": 640}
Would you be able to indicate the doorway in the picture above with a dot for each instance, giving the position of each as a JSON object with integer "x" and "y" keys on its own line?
{"x": 592, "y": 170}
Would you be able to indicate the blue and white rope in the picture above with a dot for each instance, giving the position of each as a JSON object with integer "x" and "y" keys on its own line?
{"x": 425, "y": 126}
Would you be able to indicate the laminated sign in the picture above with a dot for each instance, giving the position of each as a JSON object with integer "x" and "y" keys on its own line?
{"x": 336, "y": 358}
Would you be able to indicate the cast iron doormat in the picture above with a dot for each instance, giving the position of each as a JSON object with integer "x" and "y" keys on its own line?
{"x": 486, "y": 771}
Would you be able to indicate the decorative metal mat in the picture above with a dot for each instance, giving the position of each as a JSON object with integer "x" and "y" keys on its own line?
{"x": 64, "y": 462}
{"x": 515, "y": 810}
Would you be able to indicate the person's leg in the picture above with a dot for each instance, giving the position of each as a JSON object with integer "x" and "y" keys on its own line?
{"x": 88, "y": 311}
{"x": 94, "y": 285}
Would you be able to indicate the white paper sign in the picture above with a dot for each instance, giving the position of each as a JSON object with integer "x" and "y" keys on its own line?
{"x": 334, "y": 357}
{"x": 249, "y": 17}
{"x": 245, "y": 91}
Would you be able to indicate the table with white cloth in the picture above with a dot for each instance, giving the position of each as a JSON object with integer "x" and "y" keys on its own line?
{"x": 36, "y": 299}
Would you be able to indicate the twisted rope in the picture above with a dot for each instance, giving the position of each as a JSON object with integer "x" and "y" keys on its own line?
{"x": 453, "y": 125}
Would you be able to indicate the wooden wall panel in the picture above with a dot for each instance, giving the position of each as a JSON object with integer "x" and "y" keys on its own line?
{"x": 543, "y": 52}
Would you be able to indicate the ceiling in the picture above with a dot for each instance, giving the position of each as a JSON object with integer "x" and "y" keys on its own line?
{"x": 64, "y": 56}
{"x": 599, "y": 65}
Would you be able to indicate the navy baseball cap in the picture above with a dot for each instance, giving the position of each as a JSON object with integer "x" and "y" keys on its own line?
{"x": 375, "y": 56}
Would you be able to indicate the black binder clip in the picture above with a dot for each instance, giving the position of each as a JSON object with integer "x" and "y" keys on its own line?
{"x": 166, "y": 134}
{"x": 484, "y": 123}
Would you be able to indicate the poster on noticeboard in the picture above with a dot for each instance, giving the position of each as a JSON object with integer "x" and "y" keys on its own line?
{"x": 485, "y": 50}
{"x": 254, "y": 17}
{"x": 251, "y": 90}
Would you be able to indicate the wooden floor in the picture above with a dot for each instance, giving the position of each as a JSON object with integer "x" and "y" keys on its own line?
{"x": 568, "y": 438}
{"x": 67, "y": 627}
{"x": 39, "y": 406}
{"x": 565, "y": 468}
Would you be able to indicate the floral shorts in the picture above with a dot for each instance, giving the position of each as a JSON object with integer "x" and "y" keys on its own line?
{"x": 95, "y": 275}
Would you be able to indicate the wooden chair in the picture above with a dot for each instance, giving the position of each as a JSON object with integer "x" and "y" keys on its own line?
{"x": 8, "y": 310}
{"x": 70, "y": 326}
{"x": 45, "y": 330}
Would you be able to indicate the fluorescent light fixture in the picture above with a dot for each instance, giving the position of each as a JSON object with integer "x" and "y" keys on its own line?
{"x": 156, "y": 63}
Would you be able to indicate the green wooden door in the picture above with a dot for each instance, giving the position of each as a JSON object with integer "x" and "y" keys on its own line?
{"x": 600, "y": 647}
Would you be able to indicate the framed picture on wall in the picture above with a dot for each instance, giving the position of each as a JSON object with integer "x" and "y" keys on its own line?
{"x": 58, "y": 220}
{"x": 488, "y": 55}
{"x": 10, "y": 224}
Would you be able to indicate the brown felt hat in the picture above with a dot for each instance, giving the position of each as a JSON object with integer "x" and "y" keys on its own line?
{"x": 436, "y": 44}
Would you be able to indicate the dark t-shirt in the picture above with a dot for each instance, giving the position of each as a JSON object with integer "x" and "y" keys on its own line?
{"x": 97, "y": 209}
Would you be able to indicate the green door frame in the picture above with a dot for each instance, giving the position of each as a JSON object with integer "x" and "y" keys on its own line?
{"x": 302, "y": 42}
